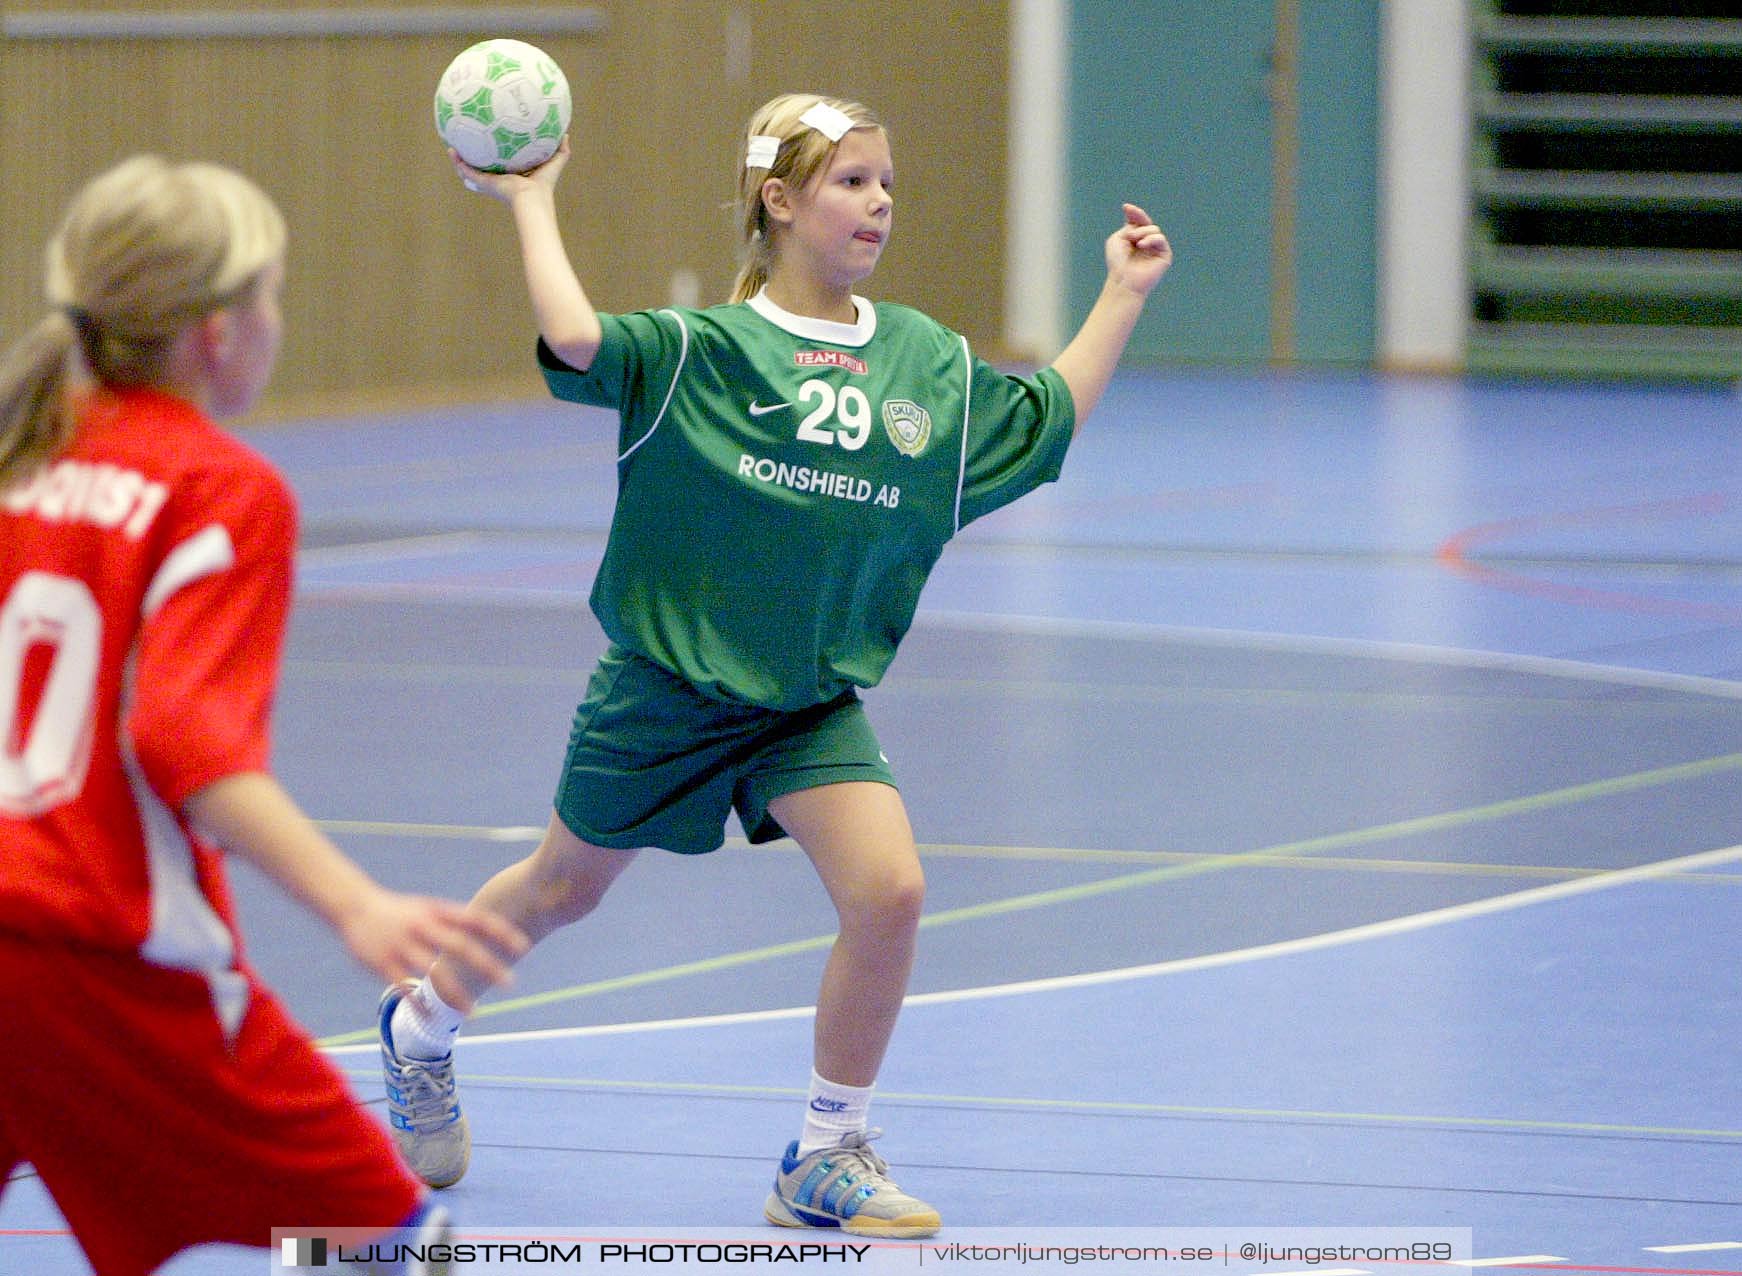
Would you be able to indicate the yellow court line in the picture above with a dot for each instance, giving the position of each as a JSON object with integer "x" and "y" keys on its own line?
{"x": 513, "y": 834}
{"x": 1493, "y": 811}
{"x": 1097, "y": 1106}
{"x": 1262, "y": 859}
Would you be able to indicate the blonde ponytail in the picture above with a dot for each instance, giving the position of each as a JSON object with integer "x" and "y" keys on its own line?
{"x": 36, "y": 419}
{"x": 146, "y": 249}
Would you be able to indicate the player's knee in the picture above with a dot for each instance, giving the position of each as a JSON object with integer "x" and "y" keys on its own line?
{"x": 906, "y": 891}
{"x": 892, "y": 901}
{"x": 568, "y": 881}
{"x": 561, "y": 898}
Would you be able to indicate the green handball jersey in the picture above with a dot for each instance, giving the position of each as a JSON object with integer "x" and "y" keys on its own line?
{"x": 785, "y": 484}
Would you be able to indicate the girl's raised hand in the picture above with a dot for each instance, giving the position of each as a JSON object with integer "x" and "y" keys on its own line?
{"x": 502, "y": 186}
{"x": 1138, "y": 254}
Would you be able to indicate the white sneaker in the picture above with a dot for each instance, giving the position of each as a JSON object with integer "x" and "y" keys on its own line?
{"x": 423, "y": 1105}
{"x": 846, "y": 1186}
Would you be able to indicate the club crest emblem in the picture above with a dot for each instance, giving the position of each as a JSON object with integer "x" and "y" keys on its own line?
{"x": 908, "y": 426}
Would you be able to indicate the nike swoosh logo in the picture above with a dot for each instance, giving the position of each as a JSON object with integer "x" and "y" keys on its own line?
{"x": 763, "y": 409}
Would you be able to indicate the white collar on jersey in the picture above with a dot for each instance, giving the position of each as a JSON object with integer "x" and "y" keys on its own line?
{"x": 836, "y": 334}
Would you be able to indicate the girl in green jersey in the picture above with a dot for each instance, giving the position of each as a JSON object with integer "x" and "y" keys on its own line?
{"x": 798, "y": 444}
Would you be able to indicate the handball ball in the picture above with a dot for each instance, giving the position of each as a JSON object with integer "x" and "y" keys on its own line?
{"x": 503, "y": 105}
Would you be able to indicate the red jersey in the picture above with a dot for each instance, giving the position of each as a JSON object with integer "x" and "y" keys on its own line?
{"x": 145, "y": 579}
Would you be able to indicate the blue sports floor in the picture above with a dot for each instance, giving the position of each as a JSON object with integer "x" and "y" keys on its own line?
{"x": 1330, "y": 794}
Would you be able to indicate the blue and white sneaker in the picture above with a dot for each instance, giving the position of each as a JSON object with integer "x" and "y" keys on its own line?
{"x": 846, "y": 1186}
{"x": 423, "y": 1105}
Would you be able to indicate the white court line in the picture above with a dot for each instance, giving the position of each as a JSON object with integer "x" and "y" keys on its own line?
{"x": 462, "y": 832}
{"x": 1372, "y": 648}
{"x": 393, "y": 550}
{"x": 1519, "y": 1260}
{"x": 1702, "y": 1247}
{"x": 983, "y": 622}
{"x": 1354, "y": 934}
{"x": 1177, "y": 966}
{"x": 447, "y": 595}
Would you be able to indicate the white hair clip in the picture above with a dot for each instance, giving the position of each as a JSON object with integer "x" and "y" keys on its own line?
{"x": 763, "y": 148}
{"x": 825, "y": 119}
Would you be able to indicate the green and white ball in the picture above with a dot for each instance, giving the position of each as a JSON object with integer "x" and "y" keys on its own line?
{"x": 504, "y": 105}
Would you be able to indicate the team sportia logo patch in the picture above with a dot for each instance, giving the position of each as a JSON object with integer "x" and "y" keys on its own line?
{"x": 828, "y": 359}
{"x": 908, "y": 426}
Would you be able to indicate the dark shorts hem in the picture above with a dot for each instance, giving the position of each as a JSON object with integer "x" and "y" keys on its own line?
{"x": 760, "y": 826}
{"x": 632, "y": 841}
{"x": 655, "y": 763}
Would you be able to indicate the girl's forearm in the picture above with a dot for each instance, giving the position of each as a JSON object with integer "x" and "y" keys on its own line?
{"x": 1088, "y": 362}
{"x": 566, "y": 318}
{"x": 250, "y": 815}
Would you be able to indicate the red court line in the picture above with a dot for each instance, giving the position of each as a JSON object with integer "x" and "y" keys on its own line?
{"x": 1640, "y": 1271}
{"x": 477, "y": 1237}
{"x": 1453, "y": 554}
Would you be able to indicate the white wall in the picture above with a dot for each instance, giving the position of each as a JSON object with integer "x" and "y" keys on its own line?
{"x": 1038, "y": 170}
{"x": 1424, "y": 106}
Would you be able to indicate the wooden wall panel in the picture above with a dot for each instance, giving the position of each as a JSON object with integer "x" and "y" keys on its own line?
{"x": 403, "y": 286}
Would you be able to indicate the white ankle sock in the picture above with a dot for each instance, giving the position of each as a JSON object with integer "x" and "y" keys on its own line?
{"x": 832, "y": 1112}
{"x": 424, "y": 1026}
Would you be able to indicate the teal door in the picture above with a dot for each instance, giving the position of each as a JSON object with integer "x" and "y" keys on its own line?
{"x": 1248, "y": 128}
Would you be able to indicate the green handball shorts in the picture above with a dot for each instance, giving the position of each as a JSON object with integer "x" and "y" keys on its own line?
{"x": 653, "y": 762}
